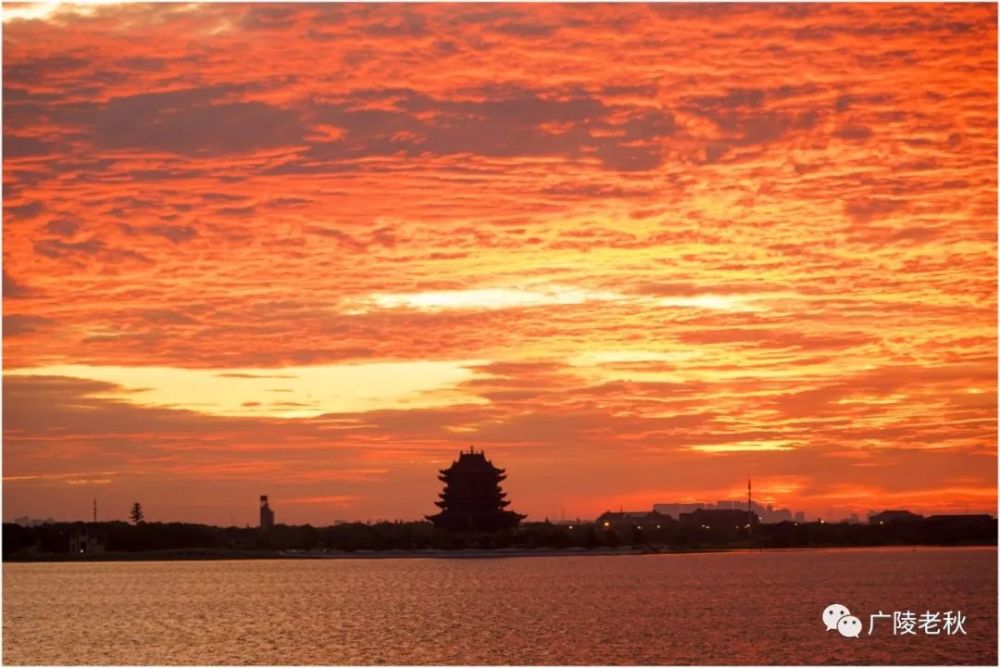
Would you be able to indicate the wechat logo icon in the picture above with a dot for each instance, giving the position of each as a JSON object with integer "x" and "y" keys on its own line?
{"x": 837, "y": 617}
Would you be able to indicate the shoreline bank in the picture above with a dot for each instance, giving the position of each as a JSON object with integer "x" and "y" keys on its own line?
{"x": 195, "y": 554}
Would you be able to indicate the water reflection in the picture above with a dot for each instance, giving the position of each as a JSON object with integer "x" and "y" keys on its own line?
{"x": 718, "y": 608}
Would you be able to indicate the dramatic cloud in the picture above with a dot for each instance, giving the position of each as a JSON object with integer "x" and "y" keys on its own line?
{"x": 634, "y": 251}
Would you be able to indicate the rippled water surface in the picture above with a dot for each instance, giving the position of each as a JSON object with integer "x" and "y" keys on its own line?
{"x": 737, "y": 607}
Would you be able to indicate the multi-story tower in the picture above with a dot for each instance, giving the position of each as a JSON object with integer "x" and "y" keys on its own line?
{"x": 266, "y": 514}
{"x": 472, "y": 500}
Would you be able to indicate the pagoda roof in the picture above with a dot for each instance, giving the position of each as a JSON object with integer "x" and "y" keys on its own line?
{"x": 472, "y": 461}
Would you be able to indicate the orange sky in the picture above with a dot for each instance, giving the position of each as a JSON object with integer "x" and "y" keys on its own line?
{"x": 632, "y": 252}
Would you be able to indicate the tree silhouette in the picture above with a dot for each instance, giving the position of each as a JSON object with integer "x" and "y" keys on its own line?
{"x": 136, "y": 514}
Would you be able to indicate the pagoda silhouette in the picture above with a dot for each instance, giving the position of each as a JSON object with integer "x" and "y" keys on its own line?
{"x": 472, "y": 500}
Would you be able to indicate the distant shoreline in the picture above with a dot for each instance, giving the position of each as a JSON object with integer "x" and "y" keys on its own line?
{"x": 467, "y": 553}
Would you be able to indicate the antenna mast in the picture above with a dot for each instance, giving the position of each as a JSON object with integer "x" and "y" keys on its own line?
{"x": 749, "y": 509}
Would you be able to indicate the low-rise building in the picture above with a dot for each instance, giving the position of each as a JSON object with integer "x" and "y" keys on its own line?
{"x": 33, "y": 522}
{"x": 86, "y": 541}
{"x": 632, "y": 519}
{"x": 893, "y": 516}
{"x": 720, "y": 518}
{"x": 961, "y": 520}
{"x": 674, "y": 510}
{"x": 766, "y": 514}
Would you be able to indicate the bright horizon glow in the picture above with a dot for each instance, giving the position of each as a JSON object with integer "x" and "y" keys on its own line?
{"x": 491, "y": 298}
{"x": 509, "y": 298}
{"x": 760, "y": 446}
{"x": 291, "y": 392}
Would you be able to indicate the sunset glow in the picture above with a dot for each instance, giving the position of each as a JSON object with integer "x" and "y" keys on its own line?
{"x": 632, "y": 252}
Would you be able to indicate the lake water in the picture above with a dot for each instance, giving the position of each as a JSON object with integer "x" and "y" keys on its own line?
{"x": 714, "y": 608}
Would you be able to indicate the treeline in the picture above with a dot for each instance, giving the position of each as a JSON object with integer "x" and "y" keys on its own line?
{"x": 119, "y": 537}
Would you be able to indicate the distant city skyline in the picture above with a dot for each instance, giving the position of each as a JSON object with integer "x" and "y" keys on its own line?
{"x": 632, "y": 251}
{"x": 768, "y": 513}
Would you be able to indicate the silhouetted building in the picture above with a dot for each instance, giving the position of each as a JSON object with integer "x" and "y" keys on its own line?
{"x": 472, "y": 500}
{"x": 85, "y": 541}
{"x": 766, "y": 514}
{"x": 961, "y": 520}
{"x": 266, "y": 514}
{"x": 33, "y": 522}
{"x": 890, "y": 516}
{"x": 632, "y": 519}
{"x": 770, "y": 515}
{"x": 719, "y": 518}
{"x": 674, "y": 510}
